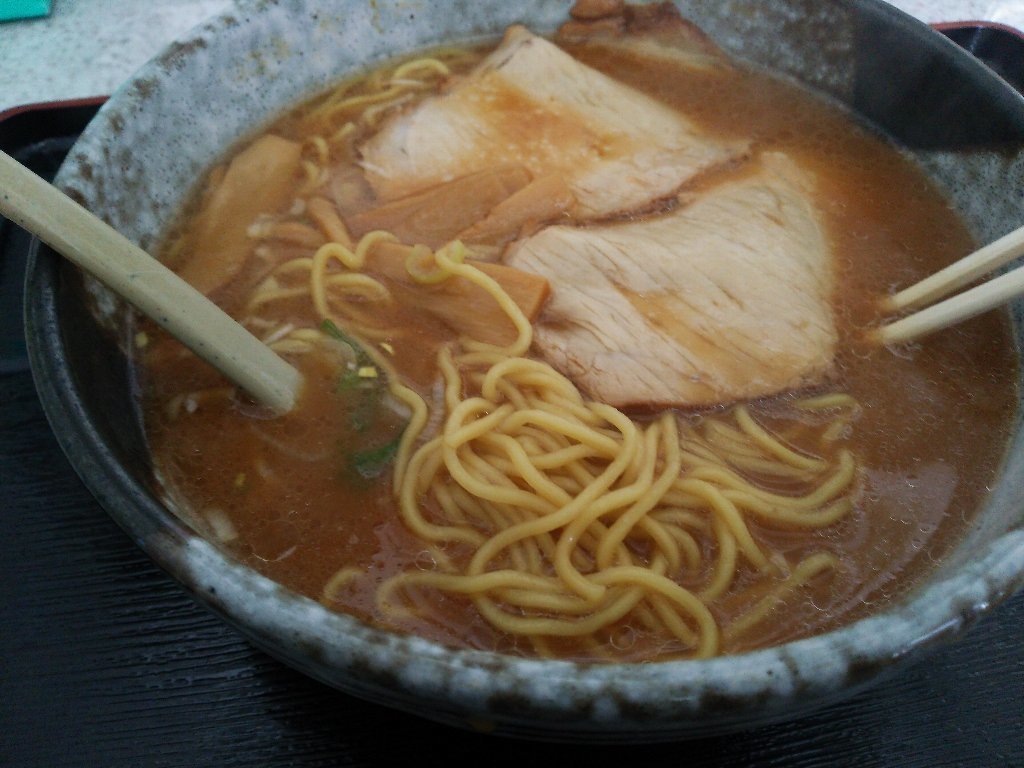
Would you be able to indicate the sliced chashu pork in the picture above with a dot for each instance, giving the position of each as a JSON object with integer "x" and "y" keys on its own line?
{"x": 727, "y": 297}
{"x": 653, "y": 31}
{"x": 529, "y": 103}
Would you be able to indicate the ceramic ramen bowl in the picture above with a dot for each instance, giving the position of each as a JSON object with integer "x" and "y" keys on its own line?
{"x": 145, "y": 150}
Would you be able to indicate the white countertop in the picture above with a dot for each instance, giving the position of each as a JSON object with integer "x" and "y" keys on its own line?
{"x": 88, "y": 47}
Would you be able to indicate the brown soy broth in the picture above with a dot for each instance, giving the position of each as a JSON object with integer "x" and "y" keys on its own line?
{"x": 931, "y": 436}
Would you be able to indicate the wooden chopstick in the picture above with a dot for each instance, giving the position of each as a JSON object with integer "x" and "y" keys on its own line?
{"x": 960, "y": 273}
{"x": 953, "y": 310}
{"x": 126, "y": 269}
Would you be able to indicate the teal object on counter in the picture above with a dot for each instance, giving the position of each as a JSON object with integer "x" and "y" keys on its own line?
{"x": 23, "y": 9}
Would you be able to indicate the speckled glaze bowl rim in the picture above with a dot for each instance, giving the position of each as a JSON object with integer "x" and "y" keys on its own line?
{"x": 526, "y": 697}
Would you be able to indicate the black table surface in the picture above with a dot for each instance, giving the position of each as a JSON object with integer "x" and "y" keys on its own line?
{"x": 106, "y": 661}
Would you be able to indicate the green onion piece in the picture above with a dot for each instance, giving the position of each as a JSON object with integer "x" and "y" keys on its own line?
{"x": 332, "y": 330}
{"x": 371, "y": 463}
{"x": 368, "y": 392}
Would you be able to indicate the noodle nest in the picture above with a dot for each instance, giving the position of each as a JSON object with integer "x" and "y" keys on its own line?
{"x": 560, "y": 519}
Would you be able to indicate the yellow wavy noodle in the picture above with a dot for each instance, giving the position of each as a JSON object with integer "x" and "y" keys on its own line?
{"x": 348, "y": 111}
{"x": 563, "y": 520}
{"x": 341, "y": 579}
